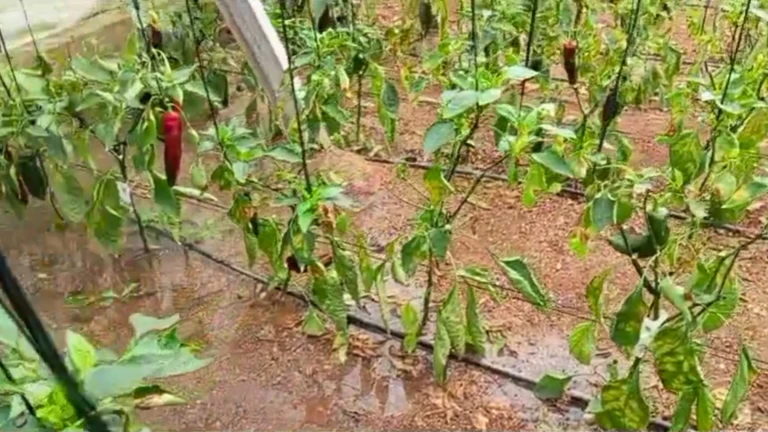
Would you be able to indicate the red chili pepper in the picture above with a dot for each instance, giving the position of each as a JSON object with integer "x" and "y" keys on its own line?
{"x": 569, "y": 61}
{"x": 172, "y": 127}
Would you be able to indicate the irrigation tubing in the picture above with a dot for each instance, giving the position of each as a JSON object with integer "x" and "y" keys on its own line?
{"x": 566, "y": 191}
{"x": 575, "y": 398}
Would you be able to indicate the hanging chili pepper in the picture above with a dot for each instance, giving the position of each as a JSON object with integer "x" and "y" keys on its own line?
{"x": 611, "y": 107}
{"x": 172, "y": 127}
{"x": 569, "y": 61}
{"x": 21, "y": 190}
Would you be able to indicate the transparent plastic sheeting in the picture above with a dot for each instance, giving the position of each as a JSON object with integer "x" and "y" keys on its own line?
{"x": 47, "y": 16}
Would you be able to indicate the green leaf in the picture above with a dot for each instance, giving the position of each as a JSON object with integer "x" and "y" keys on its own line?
{"x": 595, "y": 294}
{"x": 389, "y": 98}
{"x": 164, "y": 196}
{"x": 459, "y": 103}
{"x": 453, "y": 320}
{"x": 409, "y": 319}
{"x": 251, "y": 246}
{"x": 439, "y": 240}
{"x": 285, "y": 153}
{"x": 436, "y": 184}
{"x": 313, "y": 325}
{"x": 521, "y": 277}
{"x": 107, "y": 214}
{"x": 554, "y": 162}
{"x": 755, "y": 128}
{"x": 629, "y": 320}
{"x": 552, "y": 386}
{"x": 685, "y": 152}
{"x": 681, "y": 417}
{"x": 519, "y": 73}
{"x": 345, "y": 267}
{"x": 476, "y": 335}
{"x": 80, "y": 352}
{"x": 746, "y": 374}
{"x": 182, "y": 74}
{"x": 270, "y": 242}
{"x": 441, "y": 352}
{"x": 747, "y": 194}
{"x": 91, "y": 70}
{"x": 676, "y": 295}
{"x": 622, "y": 211}
{"x": 69, "y": 194}
{"x": 705, "y": 409}
{"x": 439, "y": 134}
{"x": 143, "y": 324}
{"x": 677, "y": 358}
{"x": 330, "y": 295}
{"x": 414, "y": 251}
{"x": 581, "y": 342}
{"x": 602, "y": 211}
{"x": 488, "y": 96}
{"x": 717, "y": 314}
{"x": 623, "y": 406}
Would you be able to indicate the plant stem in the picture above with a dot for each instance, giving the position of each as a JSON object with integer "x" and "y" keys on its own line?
{"x": 712, "y": 142}
{"x": 704, "y": 17}
{"x": 304, "y": 166}
{"x": 616, "y": 85}
{"x": 457, "y": 152}
{"x": 427, "y": 294}
{"x": 475, "y": 183}
{"x": 529, "y": 46}
{"x": 638, "y": 268}
{"x": 51, "y": 196}
{"x": 124, "y": 172}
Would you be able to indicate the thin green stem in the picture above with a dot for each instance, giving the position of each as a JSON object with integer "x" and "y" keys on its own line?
{"x": 286, "y": 36}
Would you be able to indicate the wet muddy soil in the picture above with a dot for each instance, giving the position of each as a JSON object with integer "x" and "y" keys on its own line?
{"x": 268, "y": 375}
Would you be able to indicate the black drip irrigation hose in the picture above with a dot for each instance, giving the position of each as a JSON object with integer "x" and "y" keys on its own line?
{"x": 565, "y": 191}
{"x": 574, "y": 398}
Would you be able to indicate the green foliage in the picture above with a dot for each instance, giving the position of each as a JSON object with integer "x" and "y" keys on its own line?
{"x": 155, "y": 351}
{"x": 746, "y": 374}
{"x": 623, "y": 405}
{"x": 552, "y": 386}
{"x": 521, "y": 277}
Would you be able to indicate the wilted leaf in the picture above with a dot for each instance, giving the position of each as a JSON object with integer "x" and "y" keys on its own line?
{"x": 476, "y": 335}
{"x": 681, "y": 417}
{"x": 453, "y": 320}
{"x": 595, "y": 294}
{"x": 745, "y": 376}
{"x": 442, "y": 350}
{"x": 436, "y": 184}
{"x": 345, "y": 267}
{"x": 409, "y": 319}
{"x": 705, "y": 409}
{"x": 521, "y": 277}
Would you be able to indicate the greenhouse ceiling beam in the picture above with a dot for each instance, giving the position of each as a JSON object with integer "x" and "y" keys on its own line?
{"x": 250, "y": 24}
